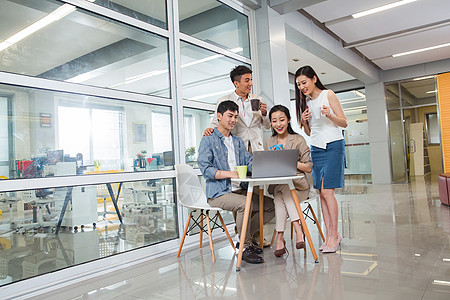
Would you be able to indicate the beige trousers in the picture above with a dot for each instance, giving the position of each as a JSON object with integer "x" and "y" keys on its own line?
{"x": 235, "y": 202}
{"x": 284, "y": 205}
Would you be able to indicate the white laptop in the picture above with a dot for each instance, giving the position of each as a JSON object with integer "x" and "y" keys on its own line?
{"x": 276, "y": 163}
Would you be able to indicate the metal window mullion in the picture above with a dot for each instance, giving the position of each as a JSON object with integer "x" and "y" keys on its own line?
{"x": 403, "y": 132}
{"x": 194, "y": 41}
{"x": 11, "y": 129}
{"x": 439, "y": 121}
{"x": 111, "y": 14}
{"x": 238, "y": 6}
{"x": 253, "y": 52}
{"x": 176, "y": 81}
{"x": 76, "y": 88}
{"x": 175, "y": 78}
{"x": 199, "y": 105}
{"x": 91, "y": 135}
{"x": 120, "y": 116}
{"x": 80, "y": 180}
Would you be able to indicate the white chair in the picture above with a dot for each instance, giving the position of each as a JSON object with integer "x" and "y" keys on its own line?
{"x": 191, "y": 195}
{"x": 29, "y": 197}
{"x": 4, "y": 198}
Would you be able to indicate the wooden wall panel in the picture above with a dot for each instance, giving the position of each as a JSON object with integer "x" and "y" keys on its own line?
{"x": 443, "y": 83}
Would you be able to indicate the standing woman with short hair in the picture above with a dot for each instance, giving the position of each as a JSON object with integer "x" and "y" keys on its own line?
{"x": 321, "y": 115}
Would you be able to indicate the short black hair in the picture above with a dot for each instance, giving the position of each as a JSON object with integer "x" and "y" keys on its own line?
{"x": 227, "y": 105}
{"x": 237, "y": 72}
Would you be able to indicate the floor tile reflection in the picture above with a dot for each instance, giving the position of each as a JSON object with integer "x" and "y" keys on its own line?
{"x": 396, "y": 246}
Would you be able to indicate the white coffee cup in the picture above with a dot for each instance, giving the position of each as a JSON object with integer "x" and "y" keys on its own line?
{"x": 316, "y": 112}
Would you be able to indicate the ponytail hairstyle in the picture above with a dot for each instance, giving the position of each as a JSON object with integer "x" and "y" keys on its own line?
{"x": 300, "y": 98}
{"x": 284, "y": 109}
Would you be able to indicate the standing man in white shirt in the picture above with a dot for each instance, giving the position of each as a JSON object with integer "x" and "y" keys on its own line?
{"x": 250, "y": 123}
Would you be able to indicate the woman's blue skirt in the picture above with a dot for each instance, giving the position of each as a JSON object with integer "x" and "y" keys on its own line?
{"x": 328, "y": 164}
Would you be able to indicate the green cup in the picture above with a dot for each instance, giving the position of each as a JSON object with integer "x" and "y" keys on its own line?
{"x": 242, "y": 171}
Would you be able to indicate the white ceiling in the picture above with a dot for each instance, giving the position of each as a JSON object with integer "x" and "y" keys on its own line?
{"x": 416, "y": 25}
{"x": 299, "y": 57}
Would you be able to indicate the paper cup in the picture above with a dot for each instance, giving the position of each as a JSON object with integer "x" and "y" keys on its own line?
{"x": 242, "y": 171}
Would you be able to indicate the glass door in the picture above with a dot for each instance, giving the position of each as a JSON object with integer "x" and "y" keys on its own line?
{"x": 397, "y": 142}
{"x": 399, "y": 169}
{"x": 412, "y": 115}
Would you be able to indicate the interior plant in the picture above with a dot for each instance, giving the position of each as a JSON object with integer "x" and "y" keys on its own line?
{"x": 141, "y": 158}
{"x": 142, "y": 154}
{"x": 97, "y": 164}
{"x": 189, "y": 153}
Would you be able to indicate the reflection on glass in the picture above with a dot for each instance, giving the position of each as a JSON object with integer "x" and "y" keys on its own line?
{"x": 153, "y": 12}
{"x": 392, "y": 96}
{"x": 418, "y": 92}
{"x": 406, "y": 97}
{"x": 432, "y": 128}
{"x": 215, "y": 23}
{"x": 396, "y": 142}
{"x": 61, "y": 134}
{"x": 64, "y": 43}
{"x": 4, "y": 142}
{"x": 357, "y": 148}
{"x": 195, "y": 122}
{"x": 417, "y": 98}
{"x": 74, "y": 225}
{"x": 205, "y": 74}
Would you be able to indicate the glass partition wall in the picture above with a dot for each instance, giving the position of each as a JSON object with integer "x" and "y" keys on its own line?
{"x": 413, "y": 128}
{"x": 92, "y": 123}
{"x": 356, "y": 135}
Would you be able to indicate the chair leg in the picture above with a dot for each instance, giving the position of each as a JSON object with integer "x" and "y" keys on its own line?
{"x": 292, "y": 231}
{"x": 104, "y": 208}
{"x": 226, "y": 231}
{"x": 273, "y": 237}
{"x": 317, "y": 222}
{"x": 210, "y": 236}
{"x": 201, "y": 229}
{"x": 184, "y": 234}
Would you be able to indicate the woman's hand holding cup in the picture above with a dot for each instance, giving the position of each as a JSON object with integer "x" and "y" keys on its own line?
{"x": 326, "y": 111}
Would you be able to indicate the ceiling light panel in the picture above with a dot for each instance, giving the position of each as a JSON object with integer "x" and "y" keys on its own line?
{"x": 381, "y": 8}
{"x": 406, "y": 43}
{"x": 422, "y": 50}
{"x": 334, "y": 9}
{"x": 391, "y": 21}
{"x": 390, "y": 62}
{"x": 54, "y": 16}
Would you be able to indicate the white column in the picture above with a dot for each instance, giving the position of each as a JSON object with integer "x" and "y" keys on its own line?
{"x": 273, "y": 81}
{"x": 378, "y": 134}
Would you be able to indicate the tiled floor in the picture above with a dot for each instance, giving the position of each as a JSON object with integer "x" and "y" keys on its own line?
{"x": 396, "y": 246}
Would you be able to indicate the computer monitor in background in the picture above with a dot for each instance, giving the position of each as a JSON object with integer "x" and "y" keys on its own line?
{"x": 168, "y": 158}
{"x": 55, "y": 156}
